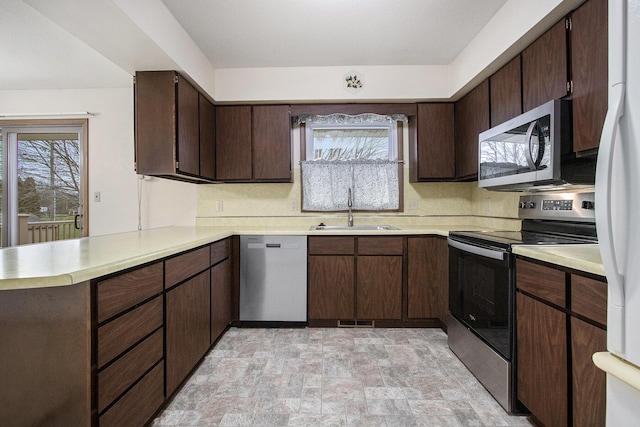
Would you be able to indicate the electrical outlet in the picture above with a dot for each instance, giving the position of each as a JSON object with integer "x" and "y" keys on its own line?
{"x": 96, "y": 196}
{"x": 293, "y": 205}
{"x": 412, "y": 204}
{"x": 219, "y": 205}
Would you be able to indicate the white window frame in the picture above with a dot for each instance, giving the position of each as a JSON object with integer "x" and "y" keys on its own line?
{"x": 10, "y": 128}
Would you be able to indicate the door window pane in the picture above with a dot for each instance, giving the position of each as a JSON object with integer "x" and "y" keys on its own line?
{"x": 48, "y": 185}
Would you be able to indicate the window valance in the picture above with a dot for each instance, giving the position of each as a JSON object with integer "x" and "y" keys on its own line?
{"x": 341, "y": 119}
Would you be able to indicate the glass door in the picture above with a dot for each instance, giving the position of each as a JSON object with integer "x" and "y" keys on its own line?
{"x": 42, "y": 192}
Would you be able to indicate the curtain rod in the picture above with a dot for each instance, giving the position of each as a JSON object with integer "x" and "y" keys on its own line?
{"x": 75, "y": 113}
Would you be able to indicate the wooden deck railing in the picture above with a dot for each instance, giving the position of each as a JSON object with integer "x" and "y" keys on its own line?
{"x": 46, "y": 231}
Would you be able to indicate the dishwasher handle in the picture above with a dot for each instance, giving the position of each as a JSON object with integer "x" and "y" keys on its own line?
{"x": 273, "y": 246}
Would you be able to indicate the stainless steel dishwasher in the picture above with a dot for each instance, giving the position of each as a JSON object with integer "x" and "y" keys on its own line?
{"x": 273, "y": 278}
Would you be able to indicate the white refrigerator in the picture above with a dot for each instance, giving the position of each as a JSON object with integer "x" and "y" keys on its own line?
{"x": 617, "y": 198}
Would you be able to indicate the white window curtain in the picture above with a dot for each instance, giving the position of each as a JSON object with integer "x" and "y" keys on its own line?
{"x": 374, "y": 185}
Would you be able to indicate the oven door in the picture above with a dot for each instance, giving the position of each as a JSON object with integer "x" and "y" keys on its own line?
{"x": 481, "y": 293}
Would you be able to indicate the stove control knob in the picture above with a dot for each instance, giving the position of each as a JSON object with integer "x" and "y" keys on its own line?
{"x": 531, "y": 205}
{"x": 587, "y": 204}
{"x": 522, "y": 205}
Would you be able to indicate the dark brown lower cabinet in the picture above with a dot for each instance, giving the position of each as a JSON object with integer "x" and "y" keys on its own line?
{"x": 589, "y": 382}
{"x": 542, "y": 360}
{"x": 331, "y": 289}
{"x": 428, "y": 277}
{"x": 221, "y": 298}
{"x": 561, "y": 320}
{"x": 130, "y": 346}
{"x": 379, "y": 287}
{"x": 187, "y": 327}
{"x": 355, "y": 278}
{"x": 139, "y": 404}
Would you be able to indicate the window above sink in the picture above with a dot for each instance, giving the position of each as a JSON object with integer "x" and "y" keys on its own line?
{"x": 357, "y": 153}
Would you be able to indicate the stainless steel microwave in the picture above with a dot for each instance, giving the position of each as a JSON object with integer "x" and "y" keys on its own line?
{"x": 534, "y": 152}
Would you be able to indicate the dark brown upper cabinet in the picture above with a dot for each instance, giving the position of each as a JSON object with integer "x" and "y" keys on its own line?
{"x": 506, "y": 92}
{"x": 471, "y": 118}
{"x": 253, "y": 143}
{"x": 432, "y": 152}
{"x": 589, "y": 47}
{"x": 207, "y": 139}
{"x": 545, "y": 68}
{"x": 167, "y": 133}
{"x": 271, "y": 126}
{"x": 233, "y": 143}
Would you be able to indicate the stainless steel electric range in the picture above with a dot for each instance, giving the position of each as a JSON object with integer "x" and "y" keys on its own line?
{"x": 481, "y": 326}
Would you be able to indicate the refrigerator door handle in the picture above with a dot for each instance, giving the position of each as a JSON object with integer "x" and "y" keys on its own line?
{"x": 606, "y": 238}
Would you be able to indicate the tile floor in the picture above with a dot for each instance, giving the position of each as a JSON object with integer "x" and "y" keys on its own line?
{"x": 334, "y": 377}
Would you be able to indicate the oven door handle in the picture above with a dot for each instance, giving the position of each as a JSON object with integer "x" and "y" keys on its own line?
{"x": 477, "y": 250}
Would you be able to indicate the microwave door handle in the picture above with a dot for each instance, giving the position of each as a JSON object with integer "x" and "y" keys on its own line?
{"x": 527, "y": 151}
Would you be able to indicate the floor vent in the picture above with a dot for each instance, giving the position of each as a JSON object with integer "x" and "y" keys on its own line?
{"x": 356, "y": 323}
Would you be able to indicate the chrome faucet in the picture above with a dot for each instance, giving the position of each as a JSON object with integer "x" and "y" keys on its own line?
{"x": 349, "y": 204}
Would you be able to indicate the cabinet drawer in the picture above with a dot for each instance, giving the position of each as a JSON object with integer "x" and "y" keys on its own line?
{"x": 380, "y": 246}
{"x": 125, "y": 371}
{"x": 220, "y": 251}
{"x": 589, "y": 298}
{"x": 123, "y": 332}
{"x": 331, "y": 245}
{"x": 544, "y": 282}
{"x": 139, "y": 404}
{"x": 119, "y": 293}
{"x": 186, "y": 265}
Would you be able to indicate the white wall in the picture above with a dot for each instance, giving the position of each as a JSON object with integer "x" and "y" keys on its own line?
{"x": 111, "y": 159}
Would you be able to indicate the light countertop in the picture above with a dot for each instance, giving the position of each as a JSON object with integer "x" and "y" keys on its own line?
{"x": 579, "y": 257}
{"x": 68, "y": 262}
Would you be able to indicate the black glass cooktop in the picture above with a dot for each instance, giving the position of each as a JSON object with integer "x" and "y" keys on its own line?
{"x": 533, "y": 233}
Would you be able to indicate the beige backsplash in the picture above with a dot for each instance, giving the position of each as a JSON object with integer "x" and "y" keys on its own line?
{"x": 434, "y": 203}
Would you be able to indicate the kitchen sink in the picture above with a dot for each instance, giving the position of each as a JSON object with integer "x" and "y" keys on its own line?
{"x": 354, "y": 228}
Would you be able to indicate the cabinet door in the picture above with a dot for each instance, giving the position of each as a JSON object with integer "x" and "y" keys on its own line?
{"x": 589, "y": 382}
{"x": 188, "y": 135}
{"x": 187, "y": 328}
{"x": 542, "y": 360}
{"x": 544, "y": 68}
{"x": 379, "y": 287}
{"x": 506, "y": 92}
{"x": 433, "y": 157}
{"x": 331, "y": 287}
{"x": 471, "y": 118}
{"x": 428, "y": 278}
{"x": 233, "y": 143}
{"x": 589, "y": 73}
{"x": 155, "y": 110}
{"x": 207, "y": 139}
{"x": 271, "y": 143}
{"x": 221, "y": 298}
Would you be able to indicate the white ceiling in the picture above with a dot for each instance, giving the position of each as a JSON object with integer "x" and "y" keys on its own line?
{"x": 307, "y": 33}
{"x": 36, "y": 53}
{"x": 51, "y": 44}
